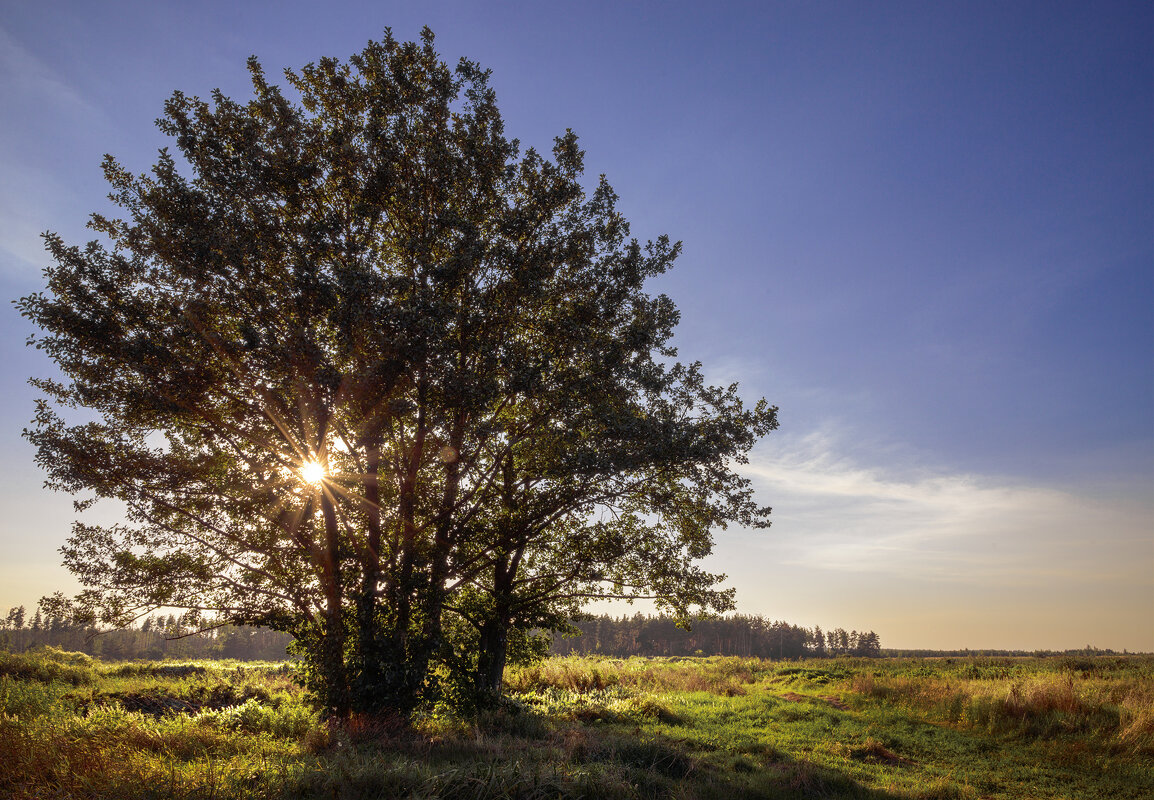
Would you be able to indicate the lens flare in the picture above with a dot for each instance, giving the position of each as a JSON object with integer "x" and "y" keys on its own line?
{"x": 313, "y": 472}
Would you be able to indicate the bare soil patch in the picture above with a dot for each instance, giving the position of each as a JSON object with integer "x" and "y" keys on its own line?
{"x": 833, "y": 700}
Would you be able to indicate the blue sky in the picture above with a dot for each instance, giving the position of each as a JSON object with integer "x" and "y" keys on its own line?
{"x": 924, "y": 230}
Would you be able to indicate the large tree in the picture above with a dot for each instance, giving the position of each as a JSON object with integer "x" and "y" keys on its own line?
{"x": 361, "y": 370}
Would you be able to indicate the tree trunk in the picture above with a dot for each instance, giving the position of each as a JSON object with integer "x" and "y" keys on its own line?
{"x": 333, "y": 653}
{"x": 493, "y": 650}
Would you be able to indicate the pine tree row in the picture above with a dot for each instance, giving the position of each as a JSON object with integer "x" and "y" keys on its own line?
{"x": 738, "y": 635}
{"x": 154, "y": 638}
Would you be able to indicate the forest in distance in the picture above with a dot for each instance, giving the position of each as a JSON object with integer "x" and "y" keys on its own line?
{"x": 168, "y": 637}
{"x": 736, "y": 635}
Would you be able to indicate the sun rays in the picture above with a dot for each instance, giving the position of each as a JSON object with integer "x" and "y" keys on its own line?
{"x": 313, "y": 473}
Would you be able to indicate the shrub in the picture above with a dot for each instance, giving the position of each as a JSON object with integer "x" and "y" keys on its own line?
{"x": 47, "y": 665}
{"x": 289, "y": 721}
{"x": 22, "y": 699}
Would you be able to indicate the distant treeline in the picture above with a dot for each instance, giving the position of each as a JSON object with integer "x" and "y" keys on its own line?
{"x": 153, "y": 638}
{"x": 1088, "y": 650}
{"x": 160, "y": 637}
{"x": 738, "y": 635}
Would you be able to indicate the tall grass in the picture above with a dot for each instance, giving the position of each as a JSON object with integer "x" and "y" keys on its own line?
{"x": 692, "y": 729}
{"x": 728, "y": 676}
{"x": 1114, "y": 706}
{"x": 60, "y": 741}
{"x": 47, "y": 665}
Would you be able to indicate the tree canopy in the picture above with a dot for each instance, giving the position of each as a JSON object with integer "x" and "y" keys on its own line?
{"x": 362, "y": 370}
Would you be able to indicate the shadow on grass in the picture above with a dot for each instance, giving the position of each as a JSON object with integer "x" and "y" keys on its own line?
{"x": 529, "y": 755}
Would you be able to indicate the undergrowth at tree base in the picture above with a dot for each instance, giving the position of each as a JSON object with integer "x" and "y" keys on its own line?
{"x": 588, "y": 727}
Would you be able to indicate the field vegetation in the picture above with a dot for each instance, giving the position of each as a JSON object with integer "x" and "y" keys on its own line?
{"x": 587, "y": 727}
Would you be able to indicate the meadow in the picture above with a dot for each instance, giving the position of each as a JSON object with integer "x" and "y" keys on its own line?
{"x": 583, "y": 727}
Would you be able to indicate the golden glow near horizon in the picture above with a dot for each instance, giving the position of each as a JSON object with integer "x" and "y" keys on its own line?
{"x": 313, "y": 472}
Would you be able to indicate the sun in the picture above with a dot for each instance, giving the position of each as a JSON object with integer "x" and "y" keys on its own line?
{"x": 313, "y": 472}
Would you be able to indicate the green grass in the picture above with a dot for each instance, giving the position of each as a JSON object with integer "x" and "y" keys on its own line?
{"x": 705, "y": 728}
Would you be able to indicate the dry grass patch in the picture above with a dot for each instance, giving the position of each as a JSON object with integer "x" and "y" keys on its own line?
{"x": 726, "y": 676}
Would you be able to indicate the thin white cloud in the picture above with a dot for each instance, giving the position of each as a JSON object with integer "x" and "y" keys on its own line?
{"x": 836, "y": 514}
{"x": 28, "y": 75}
{"x": 42, "y": 107}
{"x": 25, "y": 205}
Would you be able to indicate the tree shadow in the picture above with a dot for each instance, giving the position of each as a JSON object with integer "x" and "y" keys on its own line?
{"x": 532, "y": 754}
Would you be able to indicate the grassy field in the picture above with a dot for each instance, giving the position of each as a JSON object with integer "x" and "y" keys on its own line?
{"x": 593, "y": 728}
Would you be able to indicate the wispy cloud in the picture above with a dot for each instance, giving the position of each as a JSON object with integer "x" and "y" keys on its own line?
{"x": 39, "y": 137}
{"x": 24, "y": 214}
{"x": 29, "y": 75}
{"x": 834, "y": 513}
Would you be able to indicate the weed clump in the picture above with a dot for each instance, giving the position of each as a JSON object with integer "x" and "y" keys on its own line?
{"x": 47, "y": 665}
{"x": 290, "y": 721}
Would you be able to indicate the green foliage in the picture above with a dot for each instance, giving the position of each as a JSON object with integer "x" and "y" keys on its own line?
{"x": 288, "y": 721}
{"x": 25, "y": 698}
{"x": 616, "y": 704}
{"x": 48, "y": 664}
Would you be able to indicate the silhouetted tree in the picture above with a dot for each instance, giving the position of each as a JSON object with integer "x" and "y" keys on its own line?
{"x": 869, "y": 645}
{"x": 15, "y": 619}
{"x": 817, "y": 642}
{"x": 365, "y": 373}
